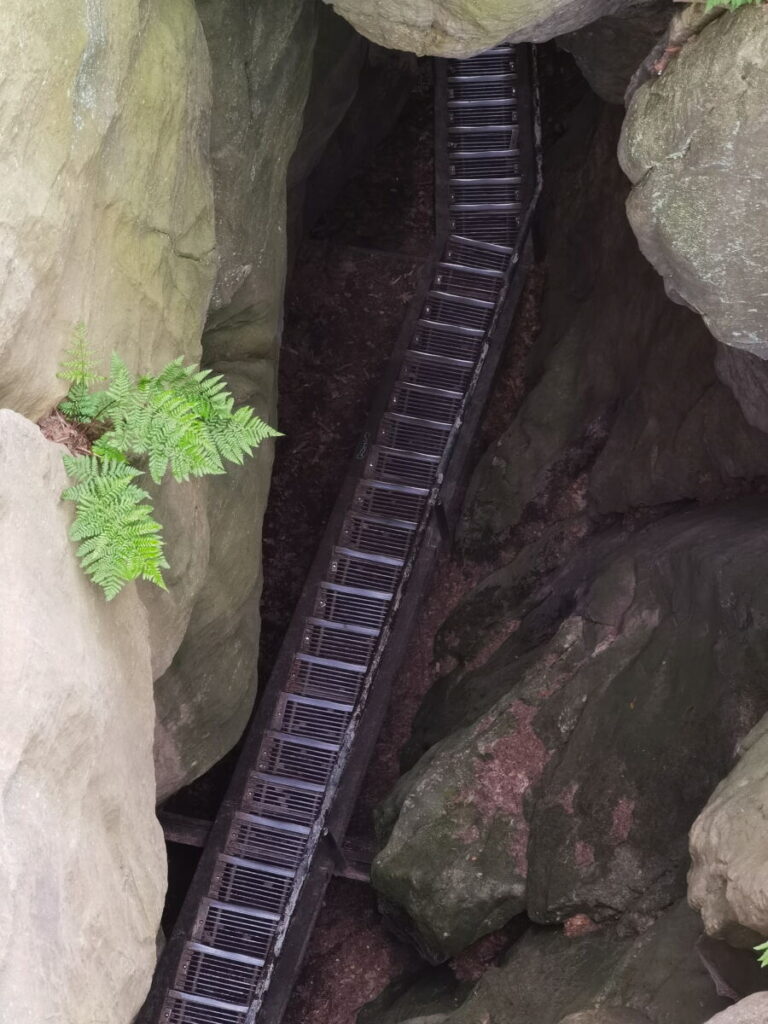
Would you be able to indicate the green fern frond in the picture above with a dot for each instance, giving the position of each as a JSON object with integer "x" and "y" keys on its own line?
{"x": 84, "y": 406}
{"x": 78, "y": 365}
{"x": 238, "y": 434}
{"x": 119, "y": 539}
{"x": 763, "y": 950}
{"x": 183, "y": 419}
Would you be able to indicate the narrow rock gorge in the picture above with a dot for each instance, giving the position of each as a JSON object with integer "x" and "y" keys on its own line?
{"x": 566, "y": 805}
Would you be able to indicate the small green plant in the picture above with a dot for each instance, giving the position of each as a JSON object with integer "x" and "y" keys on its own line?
{"x": 762, "y": 949}
{"x": 79, "y": 369}
{"x": 119, "y": 539}
{"x": 182, "y": 420}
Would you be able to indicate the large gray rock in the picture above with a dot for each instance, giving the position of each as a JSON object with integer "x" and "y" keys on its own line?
{"x": 752, "y": 1010}
{"x": 747, "y": 377}
{"x": 550, "y": 669}
{"x": 548, "y": 977}
{"x": 728, "y": 881}
{"x": 601, "y": 978}
{"x": 693, "y": 145}
{"x": 585, "y": 746}
{"x": 445, "y": 28}
{"x": 260, "y": 56}
{"x": 82, "y": 860}
{"x": 106, "y": 203}
{"x": 608, "y": 51}
{"x": 627, "y": 411}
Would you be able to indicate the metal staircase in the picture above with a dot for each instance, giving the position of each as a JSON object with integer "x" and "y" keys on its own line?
{"x": 245, "y": 924}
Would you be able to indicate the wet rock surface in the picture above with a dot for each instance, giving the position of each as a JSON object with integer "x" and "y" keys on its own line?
{"x": 609, "y": 51}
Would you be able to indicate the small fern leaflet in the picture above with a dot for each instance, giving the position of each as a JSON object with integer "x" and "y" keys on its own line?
{"x": 119, "y": 539}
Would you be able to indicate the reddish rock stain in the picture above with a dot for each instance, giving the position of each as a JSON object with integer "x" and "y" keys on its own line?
{"x": 578, "y": 925}
{"x": 623, "y": 818}
{"x": 473, "y": 962}
{"x": 505, "y": 770}
{"x": 566, "y": 797}
{"x": 583, "y": 854}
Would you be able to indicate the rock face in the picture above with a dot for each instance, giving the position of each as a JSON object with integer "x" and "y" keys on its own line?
{"x": 753, "y": 1010}
{"x": 602, "y": 978}
{"x": 448, "y": 29}
{"x": 609, "y": 51}
{"x": 627, "y": 403}
{"x": 356, "y": 95}
{"x": 578, "y": 671}
{"x": 107, "y": 204}
{"x": 747, "y": 377}
{"x": 693, "y": 148}
{"x": 580, "y": 762}
{"x": 728, "y": 881}
{"x": 261, "y": 71}
{"x": 82, "y": 859}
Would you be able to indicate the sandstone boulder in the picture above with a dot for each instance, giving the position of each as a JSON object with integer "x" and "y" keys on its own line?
{"x": 261, "y": 59}
{"x": 82, "y": 858}
{"x": 728, "y": 881}
{"x": 578, "y": 753}
{"x": 626, "y": 410}
{"x": 692, "y": 146}
{"x": 447, "y": 29}
{"x": 747, "y": 377}
{"x": 752, "y": 1010}
{"x": 601, "y": 978}
{"x": 106, "y": 204}
{"x": 609, "y": 51}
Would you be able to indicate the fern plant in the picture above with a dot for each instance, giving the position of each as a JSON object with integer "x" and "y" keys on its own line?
{"x": 79, "y": 369}
{"x": 182, "y": 419}
{"x": 119, "y": 539}
{"x": 762, "y": 949}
